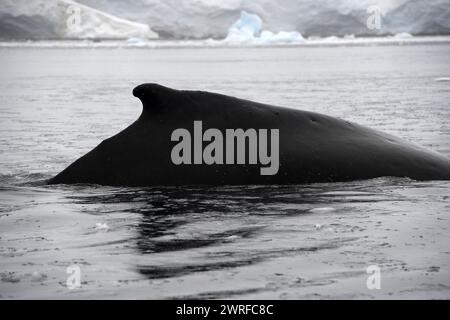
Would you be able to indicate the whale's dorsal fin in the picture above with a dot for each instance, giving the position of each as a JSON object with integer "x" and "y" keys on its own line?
{"x": 154, "y": 96}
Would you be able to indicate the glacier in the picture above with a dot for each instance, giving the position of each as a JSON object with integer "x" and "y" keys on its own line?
{"x": 202, "y": 19}
{"x": 64, "y": 19}
{"x": 273, "y": 21}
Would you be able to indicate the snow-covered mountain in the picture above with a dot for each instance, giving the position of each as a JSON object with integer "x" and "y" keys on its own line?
{"x": 202, "y": 19}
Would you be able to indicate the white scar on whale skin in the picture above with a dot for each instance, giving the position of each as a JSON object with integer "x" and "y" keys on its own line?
{"x": 235, "y": 139}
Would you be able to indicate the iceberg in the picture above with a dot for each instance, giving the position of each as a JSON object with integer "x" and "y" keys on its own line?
{"x": 248, "y": 30}
{"x": 245, "y": 29}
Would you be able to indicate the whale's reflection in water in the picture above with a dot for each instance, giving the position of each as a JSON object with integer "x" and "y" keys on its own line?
{"x": 294, "y": 241}
{"x": 182, "y": 231}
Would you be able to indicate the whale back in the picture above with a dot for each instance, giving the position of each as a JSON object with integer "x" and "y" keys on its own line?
{"x": 312, "y": 147}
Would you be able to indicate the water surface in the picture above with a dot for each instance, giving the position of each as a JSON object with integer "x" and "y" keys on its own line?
{"x": 303, "y": 241}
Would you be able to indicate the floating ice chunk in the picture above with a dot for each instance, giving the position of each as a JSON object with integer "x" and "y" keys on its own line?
{"x": 136, "y": 42}
{"x": 403, "y": 35}
{"x": 443, "y": 79}
{"x": 322, "y": 210}
{"x": 320, "y": 227}
{"x": 332, "y": 39}
{"x": 37, "y": 276}
{"x": 101, "y": 226}
{"x": 233, "y": 237}
{"x": 268, "y": 37}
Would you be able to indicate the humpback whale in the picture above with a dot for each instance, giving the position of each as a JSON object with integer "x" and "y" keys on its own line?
{"x": 309, "y": 147}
